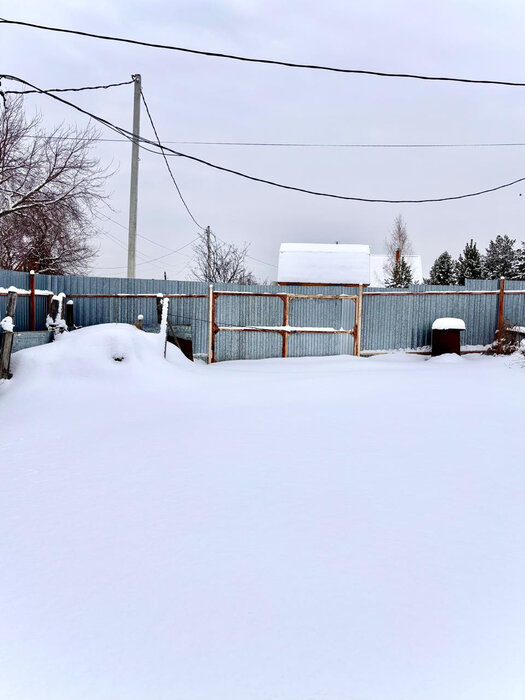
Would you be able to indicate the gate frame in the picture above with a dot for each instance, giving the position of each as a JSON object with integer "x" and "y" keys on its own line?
{"x": 285, "y": 329}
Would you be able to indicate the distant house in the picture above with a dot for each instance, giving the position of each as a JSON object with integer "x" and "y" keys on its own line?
{"x": 336, "y": 263}
{"x": 324, "y": 263}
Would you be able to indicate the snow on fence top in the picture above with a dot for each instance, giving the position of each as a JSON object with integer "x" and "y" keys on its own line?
{"x": 448, "y": 324}
{"x": 324, "y": 263}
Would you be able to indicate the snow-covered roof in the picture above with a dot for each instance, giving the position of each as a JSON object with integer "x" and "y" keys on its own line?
{"x": 377, "y": 269}
{"x": 324, "y": 263}
{"x": 448, "y": 324}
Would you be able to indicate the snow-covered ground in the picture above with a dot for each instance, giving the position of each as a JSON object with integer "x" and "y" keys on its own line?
{"x": 328, "y": 528}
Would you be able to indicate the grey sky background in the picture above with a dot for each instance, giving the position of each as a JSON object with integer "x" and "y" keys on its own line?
{"x": 198, "y": 98}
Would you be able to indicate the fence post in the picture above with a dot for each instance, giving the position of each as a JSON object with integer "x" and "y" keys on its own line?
{"x": 359, "y": 312}
{"x": 52, "y": 313}
{"x": 32, "y": 324}
{"x": 160, "y": 297}
{"x": 6, "y": 344}
{"x": 70, "y": 315}
{"x": 286, "y": 315}
{"x": 501, "y": 308}
{"x": 211, "y": 324}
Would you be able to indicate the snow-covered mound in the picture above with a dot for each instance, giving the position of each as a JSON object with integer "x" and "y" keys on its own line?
{"x": 116, "y": 351}
{"x": 327, "y": 528}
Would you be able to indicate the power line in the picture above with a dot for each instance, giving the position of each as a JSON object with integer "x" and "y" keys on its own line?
{"x": 253, "y": 178}
{"x": 167, "y": 162}
{"x": 152, "y": 260}
{"x": 78, "y": 89}
{"x": 284, "y": 144}
{"x": 172, "y": 251}
{"x": 140, "y": 235}
{"x": 143, "y": 262}
{"x": 265, "y": 61}
{"x": 176, "y": 251}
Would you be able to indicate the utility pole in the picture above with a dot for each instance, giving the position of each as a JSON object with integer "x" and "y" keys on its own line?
{"x": 208, "y": 248}
{"x": 133, "y": 189}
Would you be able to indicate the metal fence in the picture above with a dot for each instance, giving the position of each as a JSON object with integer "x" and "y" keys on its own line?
{"x": 391, "y": 319}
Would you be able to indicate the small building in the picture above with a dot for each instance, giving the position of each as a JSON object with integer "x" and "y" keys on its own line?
{"x": 324, "y": 264}
{"x": 337, "y": 264}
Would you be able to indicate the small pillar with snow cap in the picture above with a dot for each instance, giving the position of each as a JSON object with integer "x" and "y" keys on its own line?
{"x": 446, "y": 336}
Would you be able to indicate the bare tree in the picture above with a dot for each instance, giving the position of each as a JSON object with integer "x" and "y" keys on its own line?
{"x": 397, "y": 246}
{"x": 218, "y": 261}
{"x": 50, "y": 188}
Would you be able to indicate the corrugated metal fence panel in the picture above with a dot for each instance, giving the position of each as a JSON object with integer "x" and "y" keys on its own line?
{"x": 514, "y": 310}
{"x": 389, "y": 321}
{"x": 20, "y": 280}
{"x": 394, "y": 322}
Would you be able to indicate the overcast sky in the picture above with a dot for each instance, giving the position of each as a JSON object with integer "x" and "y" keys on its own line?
{"x": 195, "y": 98}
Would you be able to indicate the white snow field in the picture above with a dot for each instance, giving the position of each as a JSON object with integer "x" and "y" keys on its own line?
{"x": 304, "y": 529}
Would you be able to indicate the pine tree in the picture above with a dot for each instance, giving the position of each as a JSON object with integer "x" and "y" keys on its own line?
{"x": 443, "y": 271}
{"x": 401, "y": 274}
{"x": 518, "y": 272}
{"x": 499, "y": 260}
{"x": 470, "y": 264}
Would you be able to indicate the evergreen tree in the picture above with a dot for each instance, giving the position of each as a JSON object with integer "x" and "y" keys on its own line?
{"x": 518, "y": 272}
{"x": 443, "y": 271}
{"x": 397, "y": 244}
{"x": 499, "y": 260}
{"x": 401, "y": 274}
{"x": 470, "y": 264}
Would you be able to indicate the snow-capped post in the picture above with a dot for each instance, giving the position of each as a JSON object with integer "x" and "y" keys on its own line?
{"x": 32, "y": 304}
{"x": 164, "y": 303}
{"x": 8, "y": 327}
{"x": 54, "y": 320}
{"x": 140, "y": 318}
{"x": 211, "y": 321}
{"x": 52, "y": 312}
{"x": 501, "y": 307}
{"x": 70, "y": 315}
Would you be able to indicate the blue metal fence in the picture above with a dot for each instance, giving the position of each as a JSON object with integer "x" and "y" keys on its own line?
{"x": 390, "y": 321}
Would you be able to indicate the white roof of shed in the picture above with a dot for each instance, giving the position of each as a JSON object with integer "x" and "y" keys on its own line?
{"x": 324, "y": 263}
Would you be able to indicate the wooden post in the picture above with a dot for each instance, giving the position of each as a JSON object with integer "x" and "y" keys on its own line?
{"x": 286, "y": 314}
{"x": 211, "y": 324}
{"x": 140, "y": 318}
{"x": 32, "y": 304}
{"x": 359, "y": 317}
{"x": 159, "y": 307}
{"x": 501, "y": 307}
{"x": 70, "y": 315}
{"x": 53, "y": 310}
{"x": 6, "y": 344}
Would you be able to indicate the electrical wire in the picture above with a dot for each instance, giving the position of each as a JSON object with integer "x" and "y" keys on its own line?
{"x": 143, "y": 262}
{"x": 167, "y": 162}
{"x": 265, "y": 61}
{"x": 373, "y": 200}
{"x": 141, "y": 235}
{"x": 283, "y": 144}
{"x": 78, "y": 89}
